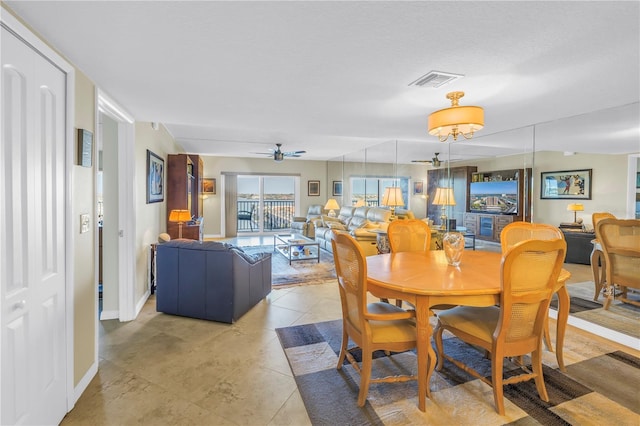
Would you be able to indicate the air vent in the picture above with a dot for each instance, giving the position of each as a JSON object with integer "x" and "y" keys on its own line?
{"x": 435, "y": 79}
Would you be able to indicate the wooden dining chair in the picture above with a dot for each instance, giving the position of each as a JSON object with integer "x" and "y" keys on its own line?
{"x": 529, "y": 272}
{"x": 409, "y": 235}
{"x": 371, "y": 326}
{"x": 598, "y": 265}
{"x": 516, "y": 232}
{"x": 620, "y": 242}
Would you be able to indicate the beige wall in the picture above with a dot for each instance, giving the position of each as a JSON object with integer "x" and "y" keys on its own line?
{"x": 214, "y": 166}
{"x": 83, "y": 184}
{"x": 150, "y": 218}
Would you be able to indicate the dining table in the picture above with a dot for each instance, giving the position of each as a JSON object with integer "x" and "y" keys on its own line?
{"x": 425, "y": 279}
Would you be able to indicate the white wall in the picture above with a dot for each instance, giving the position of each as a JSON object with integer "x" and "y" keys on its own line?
{"x": 151, "y": 219}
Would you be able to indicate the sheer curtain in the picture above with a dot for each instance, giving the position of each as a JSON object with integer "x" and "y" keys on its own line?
{"x": 231, "y": 205}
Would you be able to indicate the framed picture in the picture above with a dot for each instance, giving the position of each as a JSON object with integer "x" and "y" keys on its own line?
{"x": 418, "y": 187}
{"x": 85, "y": 147}
{"x": 155, "y": 178}
{"x": 638, "y": 180}
{"x": 566, "y": 185}
{"x": 313, "y": 188}
{"x": 337, "y": 188}
{"x": 209, "y": 186}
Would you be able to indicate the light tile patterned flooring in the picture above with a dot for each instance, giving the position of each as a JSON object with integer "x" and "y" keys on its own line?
{"x": 168, "y": 370}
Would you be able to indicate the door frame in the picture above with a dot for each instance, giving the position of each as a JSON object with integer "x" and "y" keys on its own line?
{"x": 126, "y": 205}
{"x": 15, "y": 26}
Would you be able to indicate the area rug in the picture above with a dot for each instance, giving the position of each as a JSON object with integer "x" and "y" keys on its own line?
{"x": 621, "y": 317}
{"x": 600, "y": 386}
{"x": 299, "y": 272}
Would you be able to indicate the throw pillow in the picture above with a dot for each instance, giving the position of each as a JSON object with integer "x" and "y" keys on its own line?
{"x": 336, "y": 226}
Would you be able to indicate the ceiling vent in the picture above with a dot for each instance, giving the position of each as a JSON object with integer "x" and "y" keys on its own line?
{"x": 435, "y": 79}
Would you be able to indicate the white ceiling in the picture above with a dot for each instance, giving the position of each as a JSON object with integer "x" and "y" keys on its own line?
{"x": 331, "y": 78}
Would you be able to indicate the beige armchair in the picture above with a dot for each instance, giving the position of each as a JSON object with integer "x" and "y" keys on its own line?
{"x": 304, "y": 224}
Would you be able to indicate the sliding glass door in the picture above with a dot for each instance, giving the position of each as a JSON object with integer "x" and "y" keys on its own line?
{"x": 265, "y": 203}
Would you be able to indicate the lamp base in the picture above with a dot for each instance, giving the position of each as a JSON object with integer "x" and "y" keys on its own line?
{"x": 443, "y": 220}
{"x": 331, "y": 213}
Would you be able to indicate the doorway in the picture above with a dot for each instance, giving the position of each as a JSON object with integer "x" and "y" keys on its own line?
{"x": 265, "y": 204}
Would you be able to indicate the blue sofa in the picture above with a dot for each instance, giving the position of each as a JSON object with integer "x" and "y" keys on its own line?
{"x": 210, "y": 280}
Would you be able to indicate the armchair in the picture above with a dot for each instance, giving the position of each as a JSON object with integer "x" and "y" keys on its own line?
{"x": 304, "y": 224}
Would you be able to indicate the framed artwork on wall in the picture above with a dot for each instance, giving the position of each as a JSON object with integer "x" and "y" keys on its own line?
{"x": 566, "y": 185}
{"x": 418, "y": 187}
{"x": 209, "y": 186}
{"x": 155, "y": 178}
{"x": 313, "y": 188}
{"x": 337, "y": 188}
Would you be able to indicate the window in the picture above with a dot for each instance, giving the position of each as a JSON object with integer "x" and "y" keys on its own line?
{"x": 371, "y": 189}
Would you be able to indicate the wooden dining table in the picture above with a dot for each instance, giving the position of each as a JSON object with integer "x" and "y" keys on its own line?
{"x": 425, "y": 279}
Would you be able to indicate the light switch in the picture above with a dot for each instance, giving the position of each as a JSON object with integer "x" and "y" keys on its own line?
{"x": 84, "y": 223}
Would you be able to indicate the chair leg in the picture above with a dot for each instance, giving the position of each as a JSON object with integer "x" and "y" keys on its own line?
{"x": 343, "y": 348}
{"x": 536, "y": 364}
{"x": 496, "y": 381}
{"x": 365, "y": 376}
{"x": 547, "y": 335}
{"x": 437, "y": 337}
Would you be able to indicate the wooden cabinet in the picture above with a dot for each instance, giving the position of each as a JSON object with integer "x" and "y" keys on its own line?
{"x": 460, "y": 178}
{"x": 184, "y": 192}
{"x": 487, "y": 226}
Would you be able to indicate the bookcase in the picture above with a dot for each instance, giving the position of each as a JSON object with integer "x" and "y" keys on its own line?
{"x": 184, "y": 192}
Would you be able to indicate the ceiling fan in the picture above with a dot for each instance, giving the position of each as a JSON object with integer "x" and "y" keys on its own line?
{"x": 278, "y": 154}
{"x": 435, "y": 161}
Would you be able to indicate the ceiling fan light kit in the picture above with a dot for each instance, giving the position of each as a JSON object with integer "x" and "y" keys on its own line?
{"x": 456, "y": 120}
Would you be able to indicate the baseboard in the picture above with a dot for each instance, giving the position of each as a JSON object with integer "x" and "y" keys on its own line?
{"x": 142, "y": 301}
{"x": 109, "y": 315}
{"x": 205, "y": 236}
{"x": 84, "y": 382}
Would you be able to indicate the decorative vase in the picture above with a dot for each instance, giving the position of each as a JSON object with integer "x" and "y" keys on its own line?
{"x": 453, "y": 244}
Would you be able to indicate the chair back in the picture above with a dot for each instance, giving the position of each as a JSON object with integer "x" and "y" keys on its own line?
{"x": 409, "y": 235}
{"x": 598, "y": 216}
{"x": 620, "y": 241}
{"x": 516, "y": 232}
{"x": 351, "y": 271}
{"x": 530, "y": 271}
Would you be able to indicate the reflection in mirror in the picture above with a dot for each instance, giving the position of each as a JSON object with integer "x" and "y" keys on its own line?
{"x": 607, "y": 142}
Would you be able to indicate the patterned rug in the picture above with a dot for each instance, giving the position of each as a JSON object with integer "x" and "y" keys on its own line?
{"x": 299, "y": 272}
{"x": 600, "y": 386}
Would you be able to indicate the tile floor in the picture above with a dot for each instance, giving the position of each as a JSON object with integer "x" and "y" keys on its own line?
{"x": 168, "y": 370}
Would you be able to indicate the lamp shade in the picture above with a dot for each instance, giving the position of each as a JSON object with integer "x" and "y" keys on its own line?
{"x": 332, "y": 204}
{"x": 575, "y": 207}
{"x": 359, "y": 203}
{"x": 456, "y": 120}
{"x": 392, "y": 197}
{"x": 444, "y": 197}
{"x": 179, "y": 216}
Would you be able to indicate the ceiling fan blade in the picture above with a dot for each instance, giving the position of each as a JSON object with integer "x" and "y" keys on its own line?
{"x": 422, "y": 161}
{"x": 295, "y": 152}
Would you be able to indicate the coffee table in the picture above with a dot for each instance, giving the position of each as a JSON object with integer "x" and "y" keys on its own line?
{"x": 296, "y": 247}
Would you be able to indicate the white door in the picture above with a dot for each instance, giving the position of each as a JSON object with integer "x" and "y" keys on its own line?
{"x": 32, "y": 242}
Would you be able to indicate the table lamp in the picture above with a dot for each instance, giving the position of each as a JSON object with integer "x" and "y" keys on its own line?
{"x": 392, "y": 198}
{"x": 331, "y": 205}
{"x": 575, "y": 208}
{"x": 444, "y": 197}
{"x": 180, "y": 216}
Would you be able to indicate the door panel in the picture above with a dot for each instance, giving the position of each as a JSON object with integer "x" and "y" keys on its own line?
{"x": 33, "y": 247}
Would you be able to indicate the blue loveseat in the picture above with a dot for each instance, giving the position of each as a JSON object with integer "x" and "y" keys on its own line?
{"x": 210, "y": 280}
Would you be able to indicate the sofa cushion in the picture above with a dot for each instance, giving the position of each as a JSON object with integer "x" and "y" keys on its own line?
{"x": 377, "y": 214}
{"x": 336, "y": 226}
{"x": 345, "y": 214}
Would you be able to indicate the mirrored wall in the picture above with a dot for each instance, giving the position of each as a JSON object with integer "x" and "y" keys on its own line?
{"x": 606, "y": 143}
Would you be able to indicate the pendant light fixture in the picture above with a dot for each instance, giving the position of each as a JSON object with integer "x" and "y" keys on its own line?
{"x": 456, "y": 120}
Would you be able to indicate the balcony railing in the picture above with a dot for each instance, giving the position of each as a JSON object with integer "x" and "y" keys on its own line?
{"x": 277, "y": 215}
